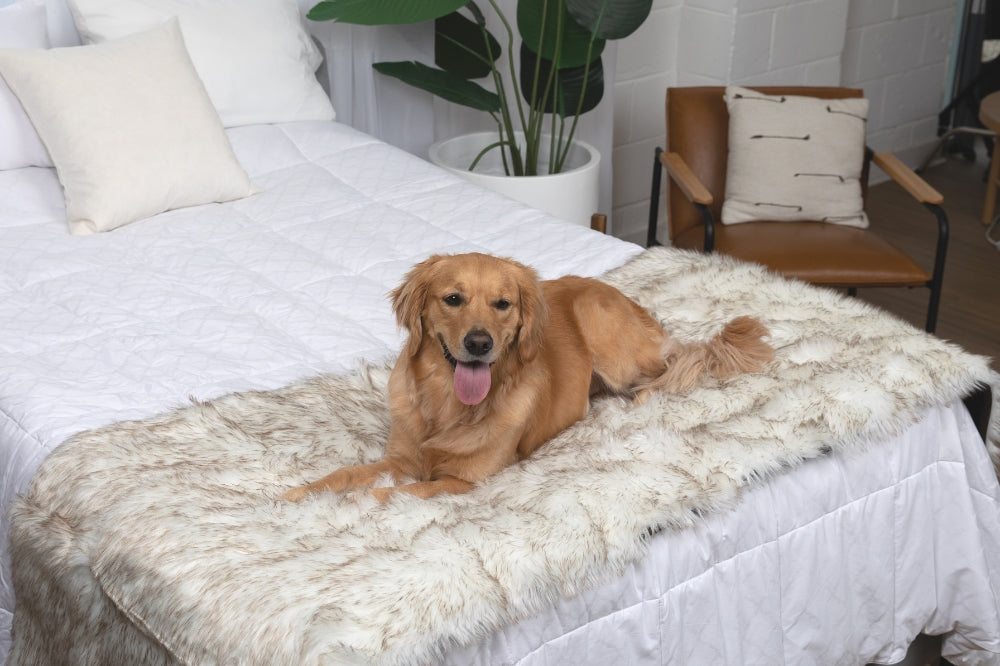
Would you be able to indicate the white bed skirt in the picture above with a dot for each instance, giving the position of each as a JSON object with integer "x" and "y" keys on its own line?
{"x": 787, "y": 576}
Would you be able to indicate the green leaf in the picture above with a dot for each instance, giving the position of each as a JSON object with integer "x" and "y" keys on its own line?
{"x": 383, "y": 12}
{"x": 568, "y": 87}
{"x": 441, "y": 83}
{"x": 610, "y": 19}
{"x": 459, "y": 47}
{"x": 538, "y": 22}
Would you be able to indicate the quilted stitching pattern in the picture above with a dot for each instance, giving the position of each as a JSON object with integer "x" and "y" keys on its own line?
{"x": 252, "y": 294}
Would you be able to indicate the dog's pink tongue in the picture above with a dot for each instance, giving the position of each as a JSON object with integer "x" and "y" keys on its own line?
{"x": 472, "y": 382}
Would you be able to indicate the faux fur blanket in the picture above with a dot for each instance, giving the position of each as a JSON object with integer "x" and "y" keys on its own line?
{"x": 163, "y": 540}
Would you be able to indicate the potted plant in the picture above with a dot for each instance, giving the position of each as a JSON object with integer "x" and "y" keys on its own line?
{"x": 536, "y": 104}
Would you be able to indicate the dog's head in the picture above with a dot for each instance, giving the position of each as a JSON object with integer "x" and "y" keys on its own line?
{"x": 478, "y": 308}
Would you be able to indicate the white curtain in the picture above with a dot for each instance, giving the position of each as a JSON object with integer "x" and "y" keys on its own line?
{"x": 412, "y": 119}
{"x": 376, "y": 104}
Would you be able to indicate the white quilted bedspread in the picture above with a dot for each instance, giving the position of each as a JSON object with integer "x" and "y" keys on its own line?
{"x": 253, "y": 294}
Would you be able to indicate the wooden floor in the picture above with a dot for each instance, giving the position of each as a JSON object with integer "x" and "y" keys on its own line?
{"x": 970, "y": 301}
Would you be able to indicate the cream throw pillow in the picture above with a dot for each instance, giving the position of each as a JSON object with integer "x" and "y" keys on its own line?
{"x": 255, "y": 57}
{"x": 129, "y": 127}
{"x": 794, "y": 158}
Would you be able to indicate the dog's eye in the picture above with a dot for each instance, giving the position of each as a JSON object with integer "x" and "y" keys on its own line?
{"x": 453, "y": 299}
{"x": 502, "y": 304}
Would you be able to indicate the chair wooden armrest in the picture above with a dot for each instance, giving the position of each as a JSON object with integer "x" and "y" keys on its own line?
{"x": 907, "y": 178}
{"x": 692, "y": 188}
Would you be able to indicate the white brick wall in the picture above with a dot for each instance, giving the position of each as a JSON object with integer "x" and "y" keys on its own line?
{"x": 899, "y": 54}
{"x": 896, "y": 50}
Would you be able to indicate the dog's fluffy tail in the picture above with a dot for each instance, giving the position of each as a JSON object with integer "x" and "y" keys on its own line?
{"x": 739, "y": 347}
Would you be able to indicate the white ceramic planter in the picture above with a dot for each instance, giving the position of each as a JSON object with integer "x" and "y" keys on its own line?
{"x": 571, "y": 195}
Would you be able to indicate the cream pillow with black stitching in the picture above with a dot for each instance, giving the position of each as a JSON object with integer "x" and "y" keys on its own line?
{"x": 794, "y": 158}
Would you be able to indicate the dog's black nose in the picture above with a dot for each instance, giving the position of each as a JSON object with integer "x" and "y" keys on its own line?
{"x": 478, "y": 343}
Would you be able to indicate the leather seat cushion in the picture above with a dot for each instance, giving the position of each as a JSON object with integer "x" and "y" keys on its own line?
{"x": 823, "y": 254}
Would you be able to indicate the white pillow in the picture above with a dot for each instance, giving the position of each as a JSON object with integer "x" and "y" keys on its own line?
{"x": 129, "y": 126}
{"x": 22, "y": 26}
{"x": 255, "y": 57}
{"x": 794, "y": 158}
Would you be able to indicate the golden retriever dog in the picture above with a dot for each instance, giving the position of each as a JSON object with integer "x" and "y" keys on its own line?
{"x": 497, "y": 363}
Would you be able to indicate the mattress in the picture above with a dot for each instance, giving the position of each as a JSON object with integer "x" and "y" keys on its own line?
{"x": 255, "y": 294}
{"x": 290, "y": 283}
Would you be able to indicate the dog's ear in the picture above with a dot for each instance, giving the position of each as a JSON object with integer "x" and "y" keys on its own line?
{"x": 534, "y": 312}
{"x": 408, "y": 301}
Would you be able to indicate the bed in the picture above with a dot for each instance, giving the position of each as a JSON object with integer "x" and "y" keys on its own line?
{"x": 165, "y": 379}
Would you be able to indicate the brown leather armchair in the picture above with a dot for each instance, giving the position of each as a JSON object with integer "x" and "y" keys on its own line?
{"x": 823, "y": 254}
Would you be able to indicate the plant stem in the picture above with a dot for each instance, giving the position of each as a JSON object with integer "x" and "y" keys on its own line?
{"x": 482, "y": 154}
{"x": 532, "y": 130}
{"x": 553, "y": 142}
{"x": 551, "y": 89}
{"x": 558, "y": 160}
{"x": 583, "y": 90}
{"x": 507, "y": 126}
